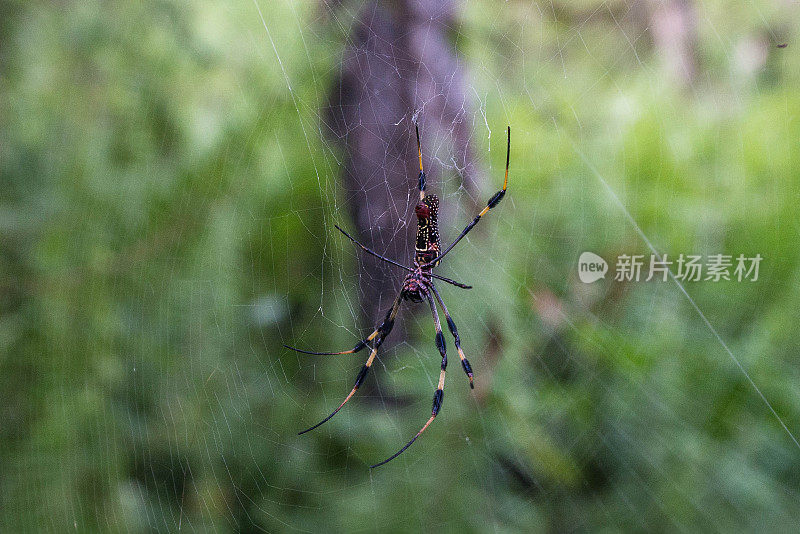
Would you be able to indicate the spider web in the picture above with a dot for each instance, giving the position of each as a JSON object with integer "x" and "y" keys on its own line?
{"x": 521, "y": 441}
{"x": 626, "y": 406}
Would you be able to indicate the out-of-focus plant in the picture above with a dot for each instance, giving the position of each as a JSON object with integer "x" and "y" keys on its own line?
{"x": 165, "y": 215}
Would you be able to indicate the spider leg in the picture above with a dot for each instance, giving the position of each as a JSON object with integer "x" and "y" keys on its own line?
{"x": 382, "y": 331}
{"x": 359, "y": 379}
{"x": 360, "y": 345}
{"x": 457, "y": 340}
{"x": 438, "y": 394}
{"x": 457, "y": 284}
{"x": 370, "y": 251}
{"x": 421, "y": 172}
{"x": 494, "y": 201}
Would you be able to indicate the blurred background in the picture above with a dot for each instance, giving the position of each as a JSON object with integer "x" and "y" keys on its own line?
{"x": 171, "y": 174}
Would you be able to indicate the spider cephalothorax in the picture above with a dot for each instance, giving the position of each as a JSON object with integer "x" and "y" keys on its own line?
{"x": 418, "y": 286}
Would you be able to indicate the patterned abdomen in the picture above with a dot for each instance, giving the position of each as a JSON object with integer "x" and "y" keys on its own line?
{"x": 428, "y": 244}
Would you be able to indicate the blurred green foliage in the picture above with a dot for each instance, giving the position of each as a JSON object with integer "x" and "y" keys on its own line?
{"x": 168, "y": 199}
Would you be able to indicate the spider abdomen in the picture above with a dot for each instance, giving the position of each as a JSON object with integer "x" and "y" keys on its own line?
{"x": 428, "y": 242}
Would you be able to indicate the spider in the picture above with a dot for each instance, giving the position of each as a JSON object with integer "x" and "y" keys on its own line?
{"x": 418, "y": 286}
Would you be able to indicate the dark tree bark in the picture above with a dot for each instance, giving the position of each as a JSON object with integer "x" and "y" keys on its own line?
{"x": 398, "y": 67}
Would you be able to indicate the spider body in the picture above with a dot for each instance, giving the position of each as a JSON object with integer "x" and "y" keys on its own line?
{"x": 417, "y": 286}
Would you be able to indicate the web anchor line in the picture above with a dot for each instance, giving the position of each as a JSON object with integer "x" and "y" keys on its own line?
{"x": 694, "y": 305}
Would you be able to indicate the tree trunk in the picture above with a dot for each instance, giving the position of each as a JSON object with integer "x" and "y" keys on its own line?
{"x": 398, "y": 68}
